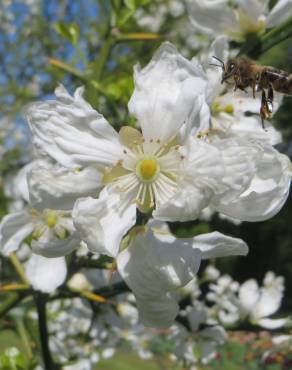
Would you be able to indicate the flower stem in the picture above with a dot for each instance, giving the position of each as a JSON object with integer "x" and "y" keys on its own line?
{"x": 18, "y": 267}
{"x": 25, "y": 338}
{"x": 102, "y": 58}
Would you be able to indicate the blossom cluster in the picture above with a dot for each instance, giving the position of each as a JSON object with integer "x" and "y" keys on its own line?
{"x": 193, "y": 340}
{"x": 89, "y": 183}
{"x": 108, "y": 197}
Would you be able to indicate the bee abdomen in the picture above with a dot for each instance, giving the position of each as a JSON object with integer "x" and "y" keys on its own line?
{"x": 281, "y": 81}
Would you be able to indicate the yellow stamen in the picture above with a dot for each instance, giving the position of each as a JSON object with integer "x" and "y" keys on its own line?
{"x": 228, "y": 108}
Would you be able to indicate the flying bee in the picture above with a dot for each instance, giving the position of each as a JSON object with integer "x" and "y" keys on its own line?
{"x": 244, "y": 73}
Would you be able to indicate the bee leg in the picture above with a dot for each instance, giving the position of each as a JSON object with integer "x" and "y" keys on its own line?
{"x": 270, "y": 99}
{"x": 254, "y": 88}
{"x": 264, "y": 111}
{"x": 236, "y": 82}
{"x": 241, "y": 88}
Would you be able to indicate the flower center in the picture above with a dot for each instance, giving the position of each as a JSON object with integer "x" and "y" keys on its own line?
{"x": 51, "y": 219}
{"x": 147, "y": 169}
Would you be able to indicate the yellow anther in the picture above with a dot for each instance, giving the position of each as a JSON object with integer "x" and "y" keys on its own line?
{"x": 228, "y": 109}
{"x": 217, "y": 107}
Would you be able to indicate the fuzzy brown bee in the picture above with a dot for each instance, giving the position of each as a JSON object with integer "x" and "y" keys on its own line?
{"x": 246, "y": 73}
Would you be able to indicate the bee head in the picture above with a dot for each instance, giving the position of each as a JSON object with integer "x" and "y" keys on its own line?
{"x": 228, "y": 69}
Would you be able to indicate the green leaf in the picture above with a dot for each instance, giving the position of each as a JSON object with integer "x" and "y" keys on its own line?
{"x": 69, "y": 31}
{"x": 121, "y": 89}
{"x": 130, "y": 4}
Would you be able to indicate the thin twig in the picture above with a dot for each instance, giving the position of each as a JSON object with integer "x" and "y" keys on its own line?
{"x": 10, "y": 302}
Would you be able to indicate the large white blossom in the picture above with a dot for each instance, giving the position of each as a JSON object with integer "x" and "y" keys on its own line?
{"x": 236, "y": 18}
{"x": 156, "y": 263}
{"x": 165, "y": 168}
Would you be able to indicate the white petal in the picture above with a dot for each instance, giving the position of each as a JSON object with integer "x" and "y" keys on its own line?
{"x": 71, "y": 132}
{"x": 212, "y": 17}
{"x": 214, "y": 245}
{"x": 219, "y": 49}
{"x": 253, "y": 8}
{"x": 202, "y": 173}
{"x": 20, "y": 182}
{"x": 238, "y": 157}
{"x": 165, "y": 93}
{"x": 278, "y": 340}
{"x": 153, "y": 267}
{"x": 267, "y": 191}
{"x": 273, "y": 323}
{"x": 203, "y": 165}
{"x": 102, "y": 223}
{"x": 46, "y": 274}
{"x": 53, "y": 247}
{"x": 57, "y": 188}
{"x": 270, "y": 299}
{"x": 228, "y": 318}
{"x": 158, "y": 312}
{"x": 280, "y": 12}
{"x": 14, "y": 228}
{"x": 185, "y": 205}
{"x": 249, "y": 295}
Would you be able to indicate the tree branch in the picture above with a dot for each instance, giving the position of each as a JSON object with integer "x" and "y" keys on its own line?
{"x": 40, "y": 301}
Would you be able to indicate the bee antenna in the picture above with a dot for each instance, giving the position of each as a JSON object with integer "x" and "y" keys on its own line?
{"x": 220, "y": 61}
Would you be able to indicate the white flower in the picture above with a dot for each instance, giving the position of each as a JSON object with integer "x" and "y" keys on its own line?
{"x": 211, "y": 273}
{"x": 234, "y": 303}
{"x": 238, "y": 18}
{"x": 199, "y": 343}
{"x": 156, "y": 264}
{"x": 235, "y": 113}
{"x": 79, "y": 282}
{"x": 164, "y": 168}
{"x": 223, "y": 294}
{"x": 259, "y": 303}
{"x": 142, "y": 169}
{"x": 51, "y": 230}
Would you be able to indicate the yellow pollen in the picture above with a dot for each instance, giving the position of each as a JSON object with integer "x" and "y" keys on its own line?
{"x": 228, "y": 108}
{"x": 147, "y": 169}
{"x": 51, "y": 219}
{"x": 218, "y": 108}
